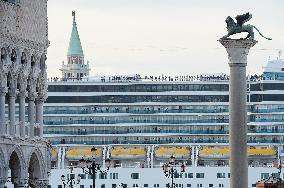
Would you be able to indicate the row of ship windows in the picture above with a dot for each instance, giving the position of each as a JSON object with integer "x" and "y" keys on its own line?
{"x": 153, "y": 109}
{"x": 158, "y": 98}
{"x": 102, "y": 140}
{"x": 139, "y": 98}
{"x": 190, "y": 129}
{"x": 177, "y": 175}
{"x": 177, "y": 185}
{"x": 138, "y": 88}
{"x": 167, "y": 119}
{"x": 158, "y": 87}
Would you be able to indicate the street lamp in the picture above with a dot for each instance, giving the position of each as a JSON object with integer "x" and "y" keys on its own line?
{"x": 90, "y": 167}
{"x": 71, "y": 181}
{"x": 169, "y": 170}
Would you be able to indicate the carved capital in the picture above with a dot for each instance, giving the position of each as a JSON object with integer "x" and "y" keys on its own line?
{"x": 3, "y": 181}
{"x": 13, "y": 92}
{"x": 3, "y": 90}
{"x": 38, "y": 183}
{"x": 20, "y": 181}
{"x": 238, "y": 49}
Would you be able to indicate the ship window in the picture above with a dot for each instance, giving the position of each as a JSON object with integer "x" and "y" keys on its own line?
{"x": 146, "y": 185}
{"x": 199, "y": 175}
{"x": 135, "y": 176}
{"x": 210, "y": 185}
{"x": 220, "y": 175}
{"x": 188, "y": 185}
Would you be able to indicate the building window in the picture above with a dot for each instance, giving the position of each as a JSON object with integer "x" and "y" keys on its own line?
{"x": 113, "y": 176}
{"x": 81, "y": 186}
{"x": 135, "y": 176}
{"x": 264, "y": 175}
{"x": 188, "y": 175}
{"x": 188, "y": 185}
{"x": 210, "y": 185}
{"x": 221, "y": 175}
{"x": 199, "y": 175}
{"x": 103, "y": 176}
{"x": 83, "y": 176}
{"x": 146, "y": 185}
{"x": 221, "y": 185}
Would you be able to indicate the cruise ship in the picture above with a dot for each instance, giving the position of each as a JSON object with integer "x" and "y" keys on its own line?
{"x": 141, "y": 122}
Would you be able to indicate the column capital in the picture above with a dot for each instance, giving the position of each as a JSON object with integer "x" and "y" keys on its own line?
{"x": 238, "y": 49}
{"x": 13, "y": 92}
{"x": 38, "y": 182}
{"x": 3, "y": 181}
{"x": 20, "y": 182}
{"x": 23, "y": 94}
{"x": 3, "y": 90}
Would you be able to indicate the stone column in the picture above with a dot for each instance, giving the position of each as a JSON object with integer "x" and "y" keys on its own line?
{"x": 32, "y": 95}
{"x": 3, "y": 92}
{"x": 22, "y": 113}
{"x": 12, "y": 98}
{"x": 31, "y": 117}
{"x": 237, "y": 52}
{"x": 39, "y": 116}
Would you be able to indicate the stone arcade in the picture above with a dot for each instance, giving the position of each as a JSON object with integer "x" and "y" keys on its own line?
{"x": 23, "y": 44}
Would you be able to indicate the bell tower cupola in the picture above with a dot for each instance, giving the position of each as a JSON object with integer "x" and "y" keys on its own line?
{"x": 76, "y": 68}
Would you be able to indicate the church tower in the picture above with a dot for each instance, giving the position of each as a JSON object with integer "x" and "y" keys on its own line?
{"x": 76, "y": 68}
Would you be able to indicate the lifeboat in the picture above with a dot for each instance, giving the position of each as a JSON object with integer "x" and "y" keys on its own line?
{"x": 78, "y": 153}
{"x": 127, "y": 153}
{"x": 177, "y": 152}
{"x": 225, "y": 152}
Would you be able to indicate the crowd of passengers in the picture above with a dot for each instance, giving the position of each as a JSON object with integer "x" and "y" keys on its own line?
{"x": 138, "y": 77}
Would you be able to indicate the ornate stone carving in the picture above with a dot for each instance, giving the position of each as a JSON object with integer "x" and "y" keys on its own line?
{"x": 237, "y": 49}
{"x": 23, "y": 40}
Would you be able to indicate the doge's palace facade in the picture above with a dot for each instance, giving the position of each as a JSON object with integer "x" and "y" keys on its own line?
{"x": 24, "y": 154}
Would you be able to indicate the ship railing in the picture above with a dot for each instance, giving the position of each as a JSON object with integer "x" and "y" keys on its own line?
{"x": 141, "y": 111}
{"x": 161, "y": 78}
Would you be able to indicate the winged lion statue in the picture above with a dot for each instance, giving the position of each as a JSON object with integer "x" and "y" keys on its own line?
{"x": 240, "y": 27}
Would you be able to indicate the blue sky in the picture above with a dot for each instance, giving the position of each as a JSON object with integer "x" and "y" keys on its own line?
{"x": 170, "y": 37}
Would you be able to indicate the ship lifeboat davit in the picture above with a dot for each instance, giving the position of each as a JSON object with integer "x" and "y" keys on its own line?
{"x": 128, "y": 153}
{"x": 177, "y": 152}
{"x": 225, "y": 152}
{"x": 78, "y": 153}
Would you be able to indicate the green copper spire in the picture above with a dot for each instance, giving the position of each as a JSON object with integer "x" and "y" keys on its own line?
{"x": 75, "y": 47}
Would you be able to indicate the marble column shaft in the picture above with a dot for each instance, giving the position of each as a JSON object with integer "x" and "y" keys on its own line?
{"x": 22, "y": 112}
{"x": 237, "y": 52}
{"x": 39, "y": 116}
{"x": 2, "y": 114}
{"x": 12, "y": 125}
{"x": 31, "y": 117}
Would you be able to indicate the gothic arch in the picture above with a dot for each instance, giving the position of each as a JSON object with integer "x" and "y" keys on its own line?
{"x": 17, "y": 165}
{"x": 35, "y": 167}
